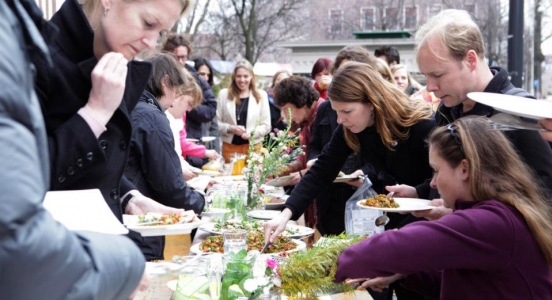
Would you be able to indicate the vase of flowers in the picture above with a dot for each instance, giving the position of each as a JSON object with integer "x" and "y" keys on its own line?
{"x": 281, "y": 148}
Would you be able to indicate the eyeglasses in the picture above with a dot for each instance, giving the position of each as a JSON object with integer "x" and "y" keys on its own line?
{"x": 182, "y": 57}
{"x": 454, "y": 134}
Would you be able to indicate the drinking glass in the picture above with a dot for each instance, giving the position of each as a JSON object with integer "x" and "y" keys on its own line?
{"x": 234, "y": 240}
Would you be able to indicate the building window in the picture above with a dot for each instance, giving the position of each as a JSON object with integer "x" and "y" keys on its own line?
{"x": 433, "y": 10}
{"x": 470, "y": 8}
{"x": 367, "y": 18}
{"x": 391, "y": 15}
{"x": 411, "y": 17}
{"x": 336, "y": 20}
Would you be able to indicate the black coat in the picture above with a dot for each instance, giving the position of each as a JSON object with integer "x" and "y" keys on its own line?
{"x": 330, "y": 205}
{"x": 154, "y": 167}
{"x": 529, "y": 144}
{"x": 79, "y": 160}
{"x": 407, "y": 164}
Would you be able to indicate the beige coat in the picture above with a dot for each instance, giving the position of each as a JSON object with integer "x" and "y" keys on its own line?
{"x": 258, "y": 116}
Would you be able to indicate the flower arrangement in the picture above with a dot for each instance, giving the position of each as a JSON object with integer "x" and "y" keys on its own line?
{"x": 249, "y": 275}
{"x": 281, "y": 149}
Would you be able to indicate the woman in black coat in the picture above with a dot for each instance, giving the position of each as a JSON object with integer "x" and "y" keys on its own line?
{"x": 376, "y": 120}
{"x": 87, "y": 97}
{"x": 153, "y": 165}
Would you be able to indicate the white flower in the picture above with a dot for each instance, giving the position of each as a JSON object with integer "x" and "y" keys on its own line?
{"x": 277, "y": 281}
{"x": 262, "y": 281}
{"x": 250, "y": 285}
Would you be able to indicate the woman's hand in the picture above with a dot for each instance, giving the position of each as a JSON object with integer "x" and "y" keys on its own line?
{"x": 357, "y": 182}
{"x": 141, "y": 204}
{"x": 325, "y": 81}
{"x": 188, "y": 174}
{"x": 273, "y": 227}
{"x": 377, "y": 284}
{"x": 547, "y": 124}
{"x": 237, "y": 130}
{"x": 211, "y": 154}
{"x": 435, "y": 213}
{"x": 108, "y": 86}
{"x": 246, "y": 136}
{"x": 402, "y": 191}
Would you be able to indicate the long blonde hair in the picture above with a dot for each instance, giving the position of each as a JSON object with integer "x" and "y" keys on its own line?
{"x": 234, "y": 90}
{"x": 496, "y": 172}
{"x": 394, "y": 112}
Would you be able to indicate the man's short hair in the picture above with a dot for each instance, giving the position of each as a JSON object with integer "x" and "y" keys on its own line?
{"x": 391, "y": 54}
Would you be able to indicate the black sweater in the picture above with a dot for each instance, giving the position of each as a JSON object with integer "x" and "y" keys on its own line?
{"x": 407, "y": 164}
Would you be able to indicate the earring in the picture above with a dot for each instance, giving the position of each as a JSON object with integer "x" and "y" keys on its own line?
{"x": 105, "y": 11}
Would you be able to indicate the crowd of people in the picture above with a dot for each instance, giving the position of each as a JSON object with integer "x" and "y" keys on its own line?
{"x": 80, "y": 112}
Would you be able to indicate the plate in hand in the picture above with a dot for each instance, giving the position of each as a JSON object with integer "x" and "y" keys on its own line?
{"x": 345, "y": 178}
{"x": 405, "y": 205}
{"x": 515, "y": 105}
{"x": 207, "y": 139}
{"x": 280, "y": 181}
{"x": 131, "y": 222}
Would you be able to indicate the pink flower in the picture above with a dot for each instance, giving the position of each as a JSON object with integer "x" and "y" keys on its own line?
{"x": 272, "y": 264}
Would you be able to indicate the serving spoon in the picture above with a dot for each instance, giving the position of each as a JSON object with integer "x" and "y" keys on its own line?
{"x": 384, "y": 219}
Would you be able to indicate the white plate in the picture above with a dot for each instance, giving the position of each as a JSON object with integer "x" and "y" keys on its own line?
{"x": 131, "y": 222}
{"x": 345, "y": 178}
{"x": 291, "y": 231}
{"x": 297, "y": 231}
{"x": 280, "y": 181}
{"x": 205, "y": 172}
{"x": 192, "y": 140}
{"x": 207, "y": 139}
{"x": 300, "y": 247}
{"x": 172, "y": 284}
{"x": 515, "y": 105}
{"x": 230, "y": 178}
{"x": 215, "y": 212}
{"x": 405, "y": 205}
{"x": 278, "y": 205}
{"x": 263, "y": 214}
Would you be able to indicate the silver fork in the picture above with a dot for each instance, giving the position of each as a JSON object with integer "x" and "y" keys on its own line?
{"x": 504, "y": 121}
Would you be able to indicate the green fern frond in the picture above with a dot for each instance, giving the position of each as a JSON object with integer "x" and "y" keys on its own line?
{"x": 311, "y": 273}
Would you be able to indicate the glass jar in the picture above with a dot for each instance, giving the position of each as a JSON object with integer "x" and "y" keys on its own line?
{"x": 238, "y": 163}
{"x": 193, "y": 281}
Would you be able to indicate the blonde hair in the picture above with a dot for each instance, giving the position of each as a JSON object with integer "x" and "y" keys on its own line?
{"x": 411, "y": 81}
{"x": 455, "y": 30}
{"x": 93, "y": 6}
{"x": 191, "y": 88}
{"x": 394, "y": 113}
{"x": 234, "y": 91}
{"x": 496, "y": 172}
{"x": 383, "y": 68}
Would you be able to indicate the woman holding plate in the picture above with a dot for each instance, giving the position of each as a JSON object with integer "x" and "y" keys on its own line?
{"x": 376, "y": 120}
{"x": 497, "y": 244}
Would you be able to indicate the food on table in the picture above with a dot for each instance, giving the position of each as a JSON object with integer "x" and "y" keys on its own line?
{"x": 271, "y": 199}
{"x": 221, "y": 225}
{"x": 255, "y": 241}
{"x": 155, "y": 219}
{"x": 380, "y": 200}
{"x": 213, "y": 165}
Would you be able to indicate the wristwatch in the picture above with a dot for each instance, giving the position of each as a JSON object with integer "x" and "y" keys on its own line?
{"x": 126, "y": 200}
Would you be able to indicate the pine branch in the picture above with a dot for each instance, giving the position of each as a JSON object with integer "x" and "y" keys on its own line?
{"x": 311, "y": 273}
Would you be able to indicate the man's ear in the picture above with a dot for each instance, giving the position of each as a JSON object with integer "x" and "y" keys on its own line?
{"x": 471, "y": 59}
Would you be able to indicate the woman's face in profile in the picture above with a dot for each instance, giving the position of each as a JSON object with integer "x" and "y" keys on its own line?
{"x": 354, "y": 116}
{"x": 130, "y": 27}
{"x": 204, "y": 72}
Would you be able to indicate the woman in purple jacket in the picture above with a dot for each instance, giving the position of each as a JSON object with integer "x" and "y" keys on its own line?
{"x": 497, "y": 244}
